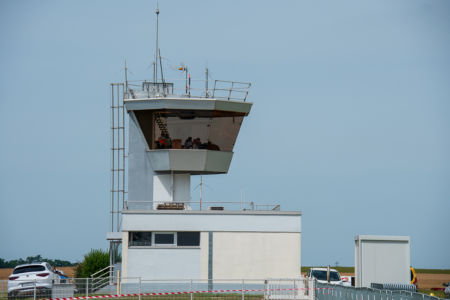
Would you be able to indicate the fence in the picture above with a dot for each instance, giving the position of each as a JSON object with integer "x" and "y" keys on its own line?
{"x": 334, "y": 292}
{"x": 142, "y": 289}
{"x": 138, "y": 288}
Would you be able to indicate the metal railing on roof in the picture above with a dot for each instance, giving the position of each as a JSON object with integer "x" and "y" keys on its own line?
{"x": 197, "y": 205}
{"x": 221, "y": 89}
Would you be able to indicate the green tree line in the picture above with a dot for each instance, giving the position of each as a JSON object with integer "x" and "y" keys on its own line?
{"x": 30, "y": 259}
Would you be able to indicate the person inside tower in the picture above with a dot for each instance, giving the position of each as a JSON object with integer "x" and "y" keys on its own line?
{"x": 161, "y": 143}
{"x": 188, "y": 143}
{"x": 211, "y": 146}
{"x": 168, "y": 141}
{"x": 197, "y": 143}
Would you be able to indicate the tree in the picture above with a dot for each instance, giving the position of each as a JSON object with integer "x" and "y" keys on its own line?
{"x": 94, "y": 261}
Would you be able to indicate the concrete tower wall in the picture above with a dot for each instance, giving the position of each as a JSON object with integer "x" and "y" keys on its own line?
{"x": 140, "y": 171}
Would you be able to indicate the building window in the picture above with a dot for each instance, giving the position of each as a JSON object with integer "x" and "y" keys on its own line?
{"x": 140, "y": 238}
{"x": 164, "y": 238}
{"x": 161, "y": 239}
{"x": 188, "y": 238}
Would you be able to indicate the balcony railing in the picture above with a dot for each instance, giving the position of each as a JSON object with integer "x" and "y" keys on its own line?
{"x": 197, "y": 205}
{"x": 217, "y": 89}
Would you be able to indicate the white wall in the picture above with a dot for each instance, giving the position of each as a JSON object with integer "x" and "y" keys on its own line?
{"x": 236, "y": 255}
{"x": 382, "y": 259}
{"x": 211, "y": 221}
{"x": 246, "y": 245}
{"x": 258, "y": 255}
{"x": 140, "y": 171}
{"x": 168, "y": 188}
{"x": 164, "y": 263}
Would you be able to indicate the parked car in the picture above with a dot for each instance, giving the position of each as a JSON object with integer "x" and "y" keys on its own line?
{"x": 320, "y": 274}
{"x": 23, "y": 279}
{"x": 447, "y": 289}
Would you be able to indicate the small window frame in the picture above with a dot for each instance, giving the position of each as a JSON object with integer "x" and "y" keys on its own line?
{"x": 174, "y": 244}
{"x": 131, "y": 242}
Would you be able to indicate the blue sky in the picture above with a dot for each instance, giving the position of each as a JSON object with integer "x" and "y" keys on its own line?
{"x": 350, "y": 122}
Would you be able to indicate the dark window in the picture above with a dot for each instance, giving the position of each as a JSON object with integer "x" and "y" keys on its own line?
{"x": 140, "y": 238}
{"x": 188, "y": 238}
{"x": 164, "y": 238}
{"x": 27, "y": 269}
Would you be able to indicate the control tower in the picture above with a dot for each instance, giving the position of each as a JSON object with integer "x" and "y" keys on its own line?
{"x": 174, "y": 136}
{"x": 175, "y": 130}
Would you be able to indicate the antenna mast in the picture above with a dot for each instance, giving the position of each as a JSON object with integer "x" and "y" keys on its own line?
{"x": 126, "y": 78}
{"x": 201, "y": 186}
{"x": 155, "y": 71}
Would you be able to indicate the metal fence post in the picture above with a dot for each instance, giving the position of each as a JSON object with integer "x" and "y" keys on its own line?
{"x": 190, "y": 288}
{"x": 293, "y": 288}
{"x": 34, "y": 290}
{"x": 140, "y": 289}
{"x": 265, "y": 289}
{"x": 243, "y": 293}
{"x": 87, "y": 287}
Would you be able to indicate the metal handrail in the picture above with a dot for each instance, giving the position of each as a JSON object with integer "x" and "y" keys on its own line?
{"x": 102, "y": 278}
{"x": 244, "y": 205}
{"x": 107, "y": 269}
{"x": 222, "y": 89}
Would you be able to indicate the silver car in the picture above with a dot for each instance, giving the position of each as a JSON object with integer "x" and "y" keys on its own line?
{"x": 25, "y": 279}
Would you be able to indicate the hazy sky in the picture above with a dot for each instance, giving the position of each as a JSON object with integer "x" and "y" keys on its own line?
{"x": 350, "y": 122}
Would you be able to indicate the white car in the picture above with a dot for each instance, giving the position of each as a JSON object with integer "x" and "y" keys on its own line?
{"x": 320, "y": 274}
{"x": 23, "y": 279}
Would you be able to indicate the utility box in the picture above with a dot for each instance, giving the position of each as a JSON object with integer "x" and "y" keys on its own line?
{"x": 382, "y": 259}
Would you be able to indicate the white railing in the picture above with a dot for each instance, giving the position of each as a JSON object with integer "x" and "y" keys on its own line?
{"x": 102, "y": 278}
{"x": 220, "y": 89}
{"x": 204, "y": 205}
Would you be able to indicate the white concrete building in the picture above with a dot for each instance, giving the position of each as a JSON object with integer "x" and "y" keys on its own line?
{"x": 209, "y": 244}
{"x": 172, "y": 135}
{"x": 165, "y": 235}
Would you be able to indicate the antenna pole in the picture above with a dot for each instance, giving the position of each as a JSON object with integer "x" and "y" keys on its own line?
{"x": 206, "y": 83}
{"x": 201, "y": 185}
{"x": 156, "y": 53}
{"x": 126, "y": 78}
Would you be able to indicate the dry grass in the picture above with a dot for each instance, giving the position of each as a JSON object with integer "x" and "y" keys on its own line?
{"x": 428, "y": 281}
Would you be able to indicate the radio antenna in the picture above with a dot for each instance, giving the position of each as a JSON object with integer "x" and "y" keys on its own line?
{"x": 155, "y": 71}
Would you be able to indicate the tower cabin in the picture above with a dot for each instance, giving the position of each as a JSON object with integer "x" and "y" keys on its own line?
{"x": 174, "y": 134}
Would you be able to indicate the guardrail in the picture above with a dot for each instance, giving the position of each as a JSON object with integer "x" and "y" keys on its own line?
{"x": 221, "y": 89}
{"x": 204, "y": 205}
{"x": 336, "y": 292}
{"x": 102, "y": 278}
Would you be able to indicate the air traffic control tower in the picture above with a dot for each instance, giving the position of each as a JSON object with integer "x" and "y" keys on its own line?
{"x": 173, "y": 136}
{"x": 176, "y": 130}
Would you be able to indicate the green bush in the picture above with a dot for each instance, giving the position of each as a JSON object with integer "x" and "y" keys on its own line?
{"x": 94, "y": 261}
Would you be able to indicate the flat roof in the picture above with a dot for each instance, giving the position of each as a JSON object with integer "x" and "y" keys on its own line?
{"x": 400, "y": 238}
{"x": 214, "y": 212}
